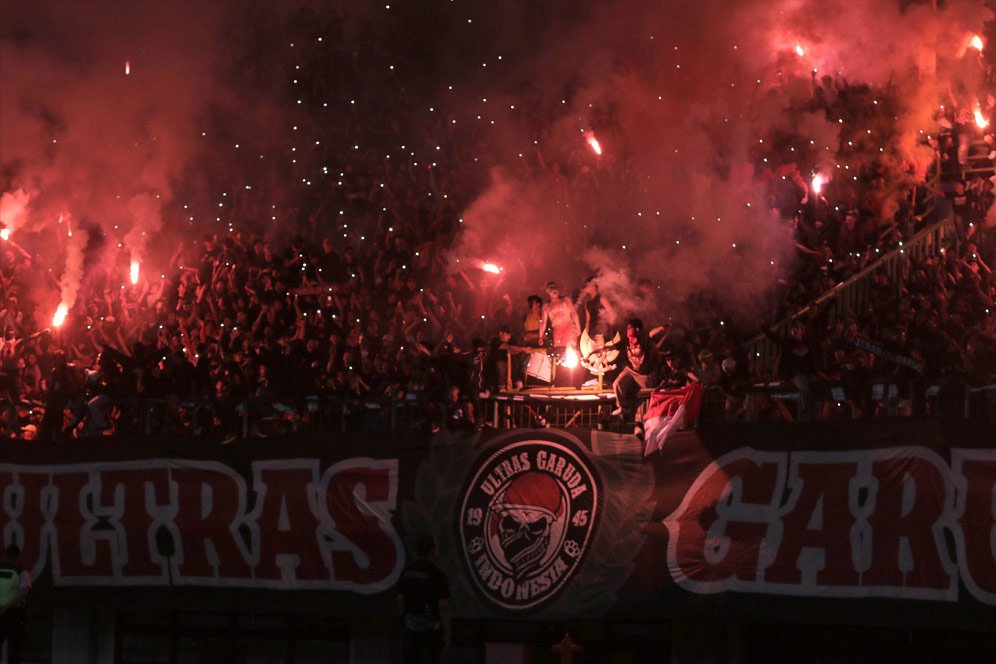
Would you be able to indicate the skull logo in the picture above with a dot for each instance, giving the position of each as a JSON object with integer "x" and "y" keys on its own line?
{"x": 523, "y": 517}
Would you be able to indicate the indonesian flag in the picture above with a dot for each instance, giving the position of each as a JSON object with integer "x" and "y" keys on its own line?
{"x": 668, "y": 411}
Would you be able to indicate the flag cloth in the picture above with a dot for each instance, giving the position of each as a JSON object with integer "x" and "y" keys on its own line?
{"x": 667, "y": 411}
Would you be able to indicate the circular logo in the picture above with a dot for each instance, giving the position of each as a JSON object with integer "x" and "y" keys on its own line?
{"x": 525, "y": 522}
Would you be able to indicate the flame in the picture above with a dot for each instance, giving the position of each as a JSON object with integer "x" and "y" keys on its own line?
{"x": 596, "y": 147}
{"x": 818, "y": 182}
{"x": 127, "y": 67}
{"x": 570, "y": 358}
{"x": 976, "y": 43}
{"x": 4, "y": 233}
{"x": 799, "y": 51}
{"x": 60, "y": 315}
{"x": 134, "y": 272}
{"x": 491, "y": 267}
{"x": 980, "y": 119}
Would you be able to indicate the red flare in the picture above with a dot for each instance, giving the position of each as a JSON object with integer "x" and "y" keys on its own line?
{"x": 491, "y": 267}
{"x": 980, "y": 119}
{"x": 818, "y": 182}
{"x": 60, "y": 315}
{"x": 134, "y": 272}
{"x": 596, "y": 147}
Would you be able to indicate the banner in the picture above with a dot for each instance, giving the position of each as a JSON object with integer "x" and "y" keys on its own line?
{"x": 533, "y": 524}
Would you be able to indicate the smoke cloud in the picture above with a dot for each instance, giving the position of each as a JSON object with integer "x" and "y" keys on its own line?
{"x": 695, "y": 106}
{"x": 701, "y": 111}
{"x": 82, "y": 135}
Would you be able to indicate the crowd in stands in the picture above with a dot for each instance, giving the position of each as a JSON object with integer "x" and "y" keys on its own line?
{"x": 249, "y": 334}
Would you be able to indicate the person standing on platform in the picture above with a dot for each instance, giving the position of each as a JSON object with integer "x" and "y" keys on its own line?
{"x": 424, "y": 600}
{"x": 531, "y": 322}
{"x": 560, "y": 314}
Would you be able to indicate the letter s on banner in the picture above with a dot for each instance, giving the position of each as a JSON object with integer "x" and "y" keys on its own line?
{"x": 356, "y": 499}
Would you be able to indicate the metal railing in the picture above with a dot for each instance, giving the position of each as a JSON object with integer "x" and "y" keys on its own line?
{"x": 849, "y": 296}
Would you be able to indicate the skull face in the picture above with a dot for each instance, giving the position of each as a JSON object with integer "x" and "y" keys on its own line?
{"x": 522, "y": 517}
{"x": 524, "y": 536}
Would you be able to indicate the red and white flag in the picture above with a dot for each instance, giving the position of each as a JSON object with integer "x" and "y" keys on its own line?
{"x": 668, "y": 411}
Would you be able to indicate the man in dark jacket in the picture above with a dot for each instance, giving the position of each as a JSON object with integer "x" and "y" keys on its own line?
{"x": 424, "y": 599}
{"x": 15, "y": 583}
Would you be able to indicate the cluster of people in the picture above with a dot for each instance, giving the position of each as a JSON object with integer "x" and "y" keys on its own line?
{"x": 354, "y": 312}
{"x": 246, "y": 332}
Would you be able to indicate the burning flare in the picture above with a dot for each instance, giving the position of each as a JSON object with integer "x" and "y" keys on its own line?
{"x": 980, "y": 119}
{"x": 4, "y": 233}
{"x": 976, "y": 43}
{"x": 818, "y": 182}
{"x": 60, "y": 315}
{"x": 491, "y": 267}
{"x": 596, "y": 147}
{"x": 134, "y": 272}
{"x": 799, "y": 51}
{"x": 571, "y": 358}
{"x": 127, "y": 67}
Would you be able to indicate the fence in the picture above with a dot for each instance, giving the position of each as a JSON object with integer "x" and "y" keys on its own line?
{"x": 849, "y": 296}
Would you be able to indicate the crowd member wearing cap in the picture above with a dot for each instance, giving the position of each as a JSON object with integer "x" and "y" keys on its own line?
{"x": 674, "y": 371}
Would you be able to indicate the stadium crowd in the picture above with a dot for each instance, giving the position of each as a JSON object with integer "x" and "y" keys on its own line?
{"x": 252, "y": 334}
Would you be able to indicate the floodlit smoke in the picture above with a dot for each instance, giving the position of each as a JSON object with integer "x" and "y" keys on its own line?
{"x": 145, "y": 211}
{"x": 700, "y": 103}
{"x": 13, "y": 208}
{"x": 616, "y": 285}
{"x": 72, "y": 273}
{"x": 708, "y": 117}
{"x": 83, "y": 135}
